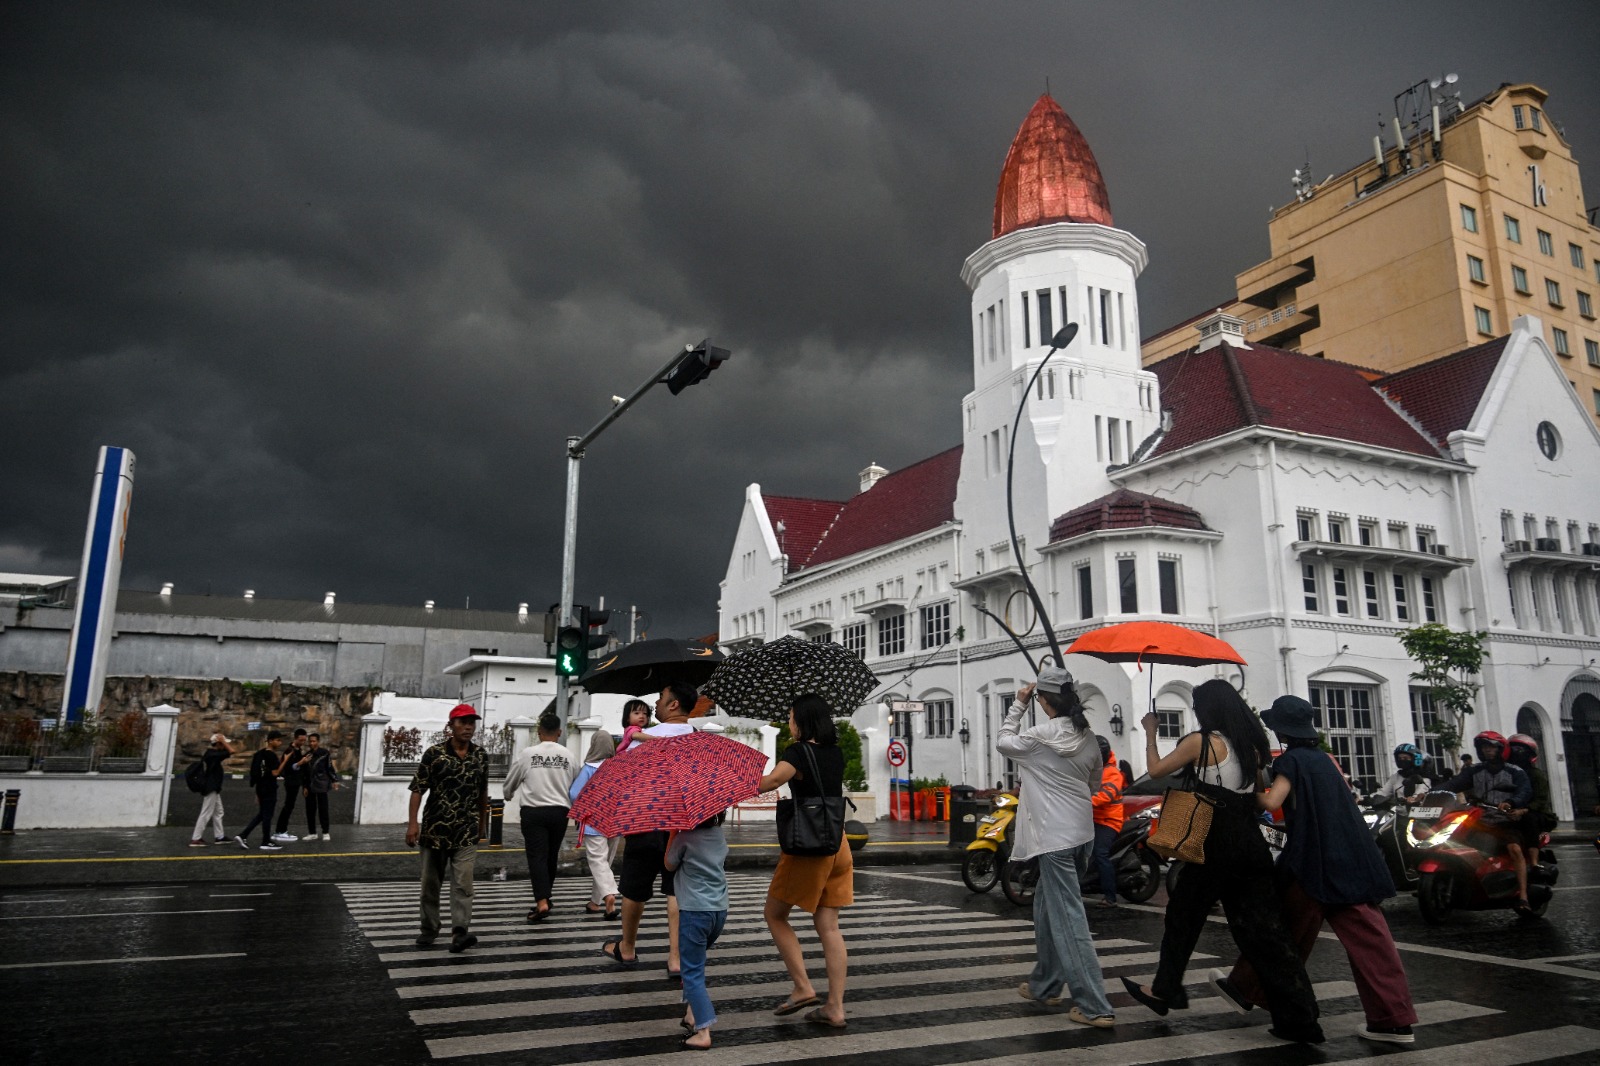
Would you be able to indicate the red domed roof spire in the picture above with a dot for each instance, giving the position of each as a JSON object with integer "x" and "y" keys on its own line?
{"x": 1050, "y": 175}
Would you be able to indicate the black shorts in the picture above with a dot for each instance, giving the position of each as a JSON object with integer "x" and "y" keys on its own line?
{"x": 643, "y": 858}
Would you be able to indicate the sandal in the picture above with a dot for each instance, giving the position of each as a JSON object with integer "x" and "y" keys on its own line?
{"x": 692, "y": 1047}
{"x": 790, "y": 1006}
{"x": 816, "y": 1017}
{"x": 616, "y": 956}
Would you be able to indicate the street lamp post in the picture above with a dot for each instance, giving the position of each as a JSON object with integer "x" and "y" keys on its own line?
{"x": 685, "y": 368}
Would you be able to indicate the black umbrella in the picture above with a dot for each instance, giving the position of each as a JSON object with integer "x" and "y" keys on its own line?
{"x": 764, "y": 681}
{"x": 647, "y": 666}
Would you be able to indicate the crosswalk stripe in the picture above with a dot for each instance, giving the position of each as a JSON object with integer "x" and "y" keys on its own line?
{"x": 864, "y": 914}
{"x": 1007, "y": 973}
{"x": 731, "y": 1021}
{"x": 1501, "y": 1050}
{"x": 561, "y": 981}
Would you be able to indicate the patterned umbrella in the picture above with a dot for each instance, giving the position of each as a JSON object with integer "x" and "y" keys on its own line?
{"x": 764, "y": 681}
{"x": 669, "y": 783}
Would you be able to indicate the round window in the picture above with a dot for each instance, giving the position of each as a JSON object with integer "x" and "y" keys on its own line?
{"x": 1549, "y": 440}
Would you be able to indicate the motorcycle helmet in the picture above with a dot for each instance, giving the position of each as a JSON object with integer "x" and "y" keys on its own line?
{"x": 1105, "y": 747}
{"x": 1412, "y": 752}
{"x": 1488, "y": 737}
{"x": 1525, "y": 741}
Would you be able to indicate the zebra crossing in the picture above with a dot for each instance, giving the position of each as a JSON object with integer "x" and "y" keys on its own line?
{"x": 926, "y": 978}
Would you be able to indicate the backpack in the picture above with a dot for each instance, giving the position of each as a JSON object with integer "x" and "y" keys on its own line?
{"x": 195, "y": 776}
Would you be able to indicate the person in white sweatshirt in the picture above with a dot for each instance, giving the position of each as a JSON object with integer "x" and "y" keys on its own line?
{"x": 538, "y": 783}
{"x": 1059, "y": 763}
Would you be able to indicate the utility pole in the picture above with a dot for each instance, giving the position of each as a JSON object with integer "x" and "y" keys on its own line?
{"x": 685, "y": 368}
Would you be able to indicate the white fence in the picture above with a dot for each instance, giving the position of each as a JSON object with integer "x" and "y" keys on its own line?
{"x": 101, "y": 800}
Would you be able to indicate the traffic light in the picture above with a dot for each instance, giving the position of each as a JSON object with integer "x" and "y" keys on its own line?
{"x": 695, "y": 365}
{"x": 571, "y": 655}
{"x": 592, "y": 621}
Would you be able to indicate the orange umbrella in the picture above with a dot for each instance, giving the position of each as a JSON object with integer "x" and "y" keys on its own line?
{"x": 1154, "y": 642}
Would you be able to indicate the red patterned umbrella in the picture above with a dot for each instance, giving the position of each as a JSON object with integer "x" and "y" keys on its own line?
{"x": 669, "y": 783}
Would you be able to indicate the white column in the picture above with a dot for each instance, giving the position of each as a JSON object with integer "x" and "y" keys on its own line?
{"x": 525, "y": 733}
{"x": 769, "y": 746}
{"x": 161, "y": 749}
{"x": 369, "y": 757}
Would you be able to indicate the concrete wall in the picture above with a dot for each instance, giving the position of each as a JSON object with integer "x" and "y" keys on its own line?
{"x": 102, "y": 801}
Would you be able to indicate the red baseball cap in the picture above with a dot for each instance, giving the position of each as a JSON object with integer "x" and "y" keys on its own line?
{"x": 463, "y": 710}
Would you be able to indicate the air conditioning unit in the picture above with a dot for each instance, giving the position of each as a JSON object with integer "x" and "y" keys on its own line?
{"x": 1591, "y": 549}
{"x": 1519, "y": 546}
{"x": 1547, "y": 544}
{"x": 1440, "y": 549}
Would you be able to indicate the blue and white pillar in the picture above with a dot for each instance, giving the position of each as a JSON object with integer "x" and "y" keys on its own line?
{"x": 98, "y": 576}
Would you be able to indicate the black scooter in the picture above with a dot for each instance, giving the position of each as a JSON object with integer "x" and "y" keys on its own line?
{"x": 1138, "y": 868}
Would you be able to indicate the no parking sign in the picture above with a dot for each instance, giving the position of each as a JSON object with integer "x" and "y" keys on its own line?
{"x": 895, "y": 753}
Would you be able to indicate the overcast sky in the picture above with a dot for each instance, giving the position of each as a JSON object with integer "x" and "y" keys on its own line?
{"x": 345, "y": 276}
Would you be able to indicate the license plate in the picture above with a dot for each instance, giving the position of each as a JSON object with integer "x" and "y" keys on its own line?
{"x": 987, "y": 821}
{"x": 1428, "y": 813}
{"x": 1275, "y": 837}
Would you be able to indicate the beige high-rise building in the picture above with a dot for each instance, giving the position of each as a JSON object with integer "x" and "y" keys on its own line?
{"x": 1431, "y": 245}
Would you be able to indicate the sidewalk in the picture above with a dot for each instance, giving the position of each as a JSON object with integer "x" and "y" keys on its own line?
{"x": 362, "y": 853}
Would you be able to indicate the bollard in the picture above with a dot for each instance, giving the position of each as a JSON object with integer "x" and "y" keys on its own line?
{"x": 497, "y": 817}
{"x": 8, "y": 822}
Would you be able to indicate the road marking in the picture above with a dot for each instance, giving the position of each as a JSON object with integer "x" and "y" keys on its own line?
{"x": 1500, "y": 960}
{"x": 1568, "y": 958}
{"x": 115, "y": 962}
{"x": 916, "y": 877}
{"x": 237, "y": 895}
{"x": 138, "y": 914}
{"x": 119, "y": 899}
{"x": 1533, "y": 1046}
{"x": 62, "y": 900}
{"x": 236, "y": 857}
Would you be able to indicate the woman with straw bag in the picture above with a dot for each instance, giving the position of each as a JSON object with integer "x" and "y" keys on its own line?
{"x": 1215, "y": 820}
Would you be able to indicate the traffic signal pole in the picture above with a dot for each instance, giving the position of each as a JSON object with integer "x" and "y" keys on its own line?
{"x": 685, "y": 368}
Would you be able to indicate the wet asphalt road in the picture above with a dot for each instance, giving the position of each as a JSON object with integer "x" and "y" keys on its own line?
{"x": 280, "y": 971}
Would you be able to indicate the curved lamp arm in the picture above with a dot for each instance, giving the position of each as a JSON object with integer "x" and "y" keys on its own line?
{"x": 1062, "y": 338}
{"x": 1014, "y": 638}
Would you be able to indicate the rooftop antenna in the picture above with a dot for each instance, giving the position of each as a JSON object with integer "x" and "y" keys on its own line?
{"x": 1304, "y": 185}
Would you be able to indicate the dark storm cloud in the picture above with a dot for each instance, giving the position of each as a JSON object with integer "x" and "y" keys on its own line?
{"x": 345, "y": 276}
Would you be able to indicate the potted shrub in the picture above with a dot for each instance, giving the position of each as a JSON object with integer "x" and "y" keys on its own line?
{"x": 19, "y": 742}
{"x": 124, "y": 744}
{"x": 402, "y": 748}
{"x": 71, "y": 747}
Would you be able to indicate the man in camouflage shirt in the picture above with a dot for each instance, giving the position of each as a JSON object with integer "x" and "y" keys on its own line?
{"x": 455, "y": 775}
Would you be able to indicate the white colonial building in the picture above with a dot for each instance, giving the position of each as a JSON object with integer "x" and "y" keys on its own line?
{"x": 1306, "y": 511}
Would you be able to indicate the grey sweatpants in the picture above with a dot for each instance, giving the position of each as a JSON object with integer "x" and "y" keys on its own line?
{"x": 459, "y": 862}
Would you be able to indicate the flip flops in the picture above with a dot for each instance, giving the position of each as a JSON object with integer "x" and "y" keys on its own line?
{"x": 816, "y": 1017}
{"x": 616, "y": 956}
{"x": 789, "y": 1006}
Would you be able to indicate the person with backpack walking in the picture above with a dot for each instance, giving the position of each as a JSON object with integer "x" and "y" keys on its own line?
{"x": 265, "y": 767}
{"x": 208, "y": 782}
{"x": 320, "y": 777}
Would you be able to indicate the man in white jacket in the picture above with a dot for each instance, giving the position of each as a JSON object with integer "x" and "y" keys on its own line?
{"x": 537, "y": 782}
{"x": 1059, "y": 763}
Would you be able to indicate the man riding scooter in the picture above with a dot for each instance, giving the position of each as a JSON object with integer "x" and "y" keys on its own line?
{"x": 1496, "y": 783}
{"x": 1408, "y": 782}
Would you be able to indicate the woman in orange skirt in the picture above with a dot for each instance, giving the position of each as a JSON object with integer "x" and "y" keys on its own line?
{"x": 817, "y": 884}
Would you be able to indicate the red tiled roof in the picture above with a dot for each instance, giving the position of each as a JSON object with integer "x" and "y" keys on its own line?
{"x": 805, "y": 523}
{"x": 1124, "y": 509}
{"x": 901, "y": 504}
{"x": 1226, "y": 388}
{"x": 1443, "y": 395}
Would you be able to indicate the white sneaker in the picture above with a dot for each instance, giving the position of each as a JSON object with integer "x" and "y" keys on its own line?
{"x": 325, "y": 836}
{"x": 269, "y": 846}
{"x": 284, "y": 838}
{"x": 242, "y": 842}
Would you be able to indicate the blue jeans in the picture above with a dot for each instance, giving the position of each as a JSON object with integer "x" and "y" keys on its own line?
{"x": 1103, "y": 837}
{"x": 1066, "y": 958}
{"x": 697, "y": 931}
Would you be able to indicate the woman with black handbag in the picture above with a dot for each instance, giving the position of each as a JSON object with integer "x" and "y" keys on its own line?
{"x": 816, "y": 880}
{"x": 1225, "y": 765}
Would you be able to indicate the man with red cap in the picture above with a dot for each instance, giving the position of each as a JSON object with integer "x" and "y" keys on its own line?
{"x": 455, "y": 775}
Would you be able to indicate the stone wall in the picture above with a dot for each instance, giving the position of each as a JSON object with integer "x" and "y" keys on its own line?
{"x": 210, "y": 706}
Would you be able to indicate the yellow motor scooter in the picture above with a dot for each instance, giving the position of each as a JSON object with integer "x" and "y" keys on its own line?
{"x": 988, "y": 854}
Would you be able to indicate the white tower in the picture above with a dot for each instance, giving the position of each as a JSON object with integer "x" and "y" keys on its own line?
{"x": 1055, "y": 258}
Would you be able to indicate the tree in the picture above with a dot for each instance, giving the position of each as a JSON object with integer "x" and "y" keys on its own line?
{"x": 1450, "y": 663}
{"x": 855, "y": 776}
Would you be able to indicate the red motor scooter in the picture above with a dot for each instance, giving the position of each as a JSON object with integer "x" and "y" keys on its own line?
{"x": 1463, "y": 864}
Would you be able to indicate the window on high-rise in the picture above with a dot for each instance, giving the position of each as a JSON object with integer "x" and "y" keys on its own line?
{"x": 1485, "y": 322}
{"x": 1552, "y": 291}
{"x": 1591, "y": 351}
{"x": 936, "y": 625}
{"x": 1475, "y": 270}
{"x": 1105, "y": 318}
{"x": 1046, "y": 323}
{"x": 1344, "y": 714}
{"x": 854, "y": 639}
{"x": 1519, "y": 280}
{"x": 892, "y": 635}
{"x": 1369, "y": 589}
{"x": 1338, "y": 531}
{"x": 1085, "y": 592}
{"x": 1430, "y": 599}
{"x": 1341, "y": 591}
{"x": 1558, "y": 339}
{"x": 1513, "y": 230}
{"x": 1547, "y": 244}
{"x": 1519, "y": 118}
{"x": 1167, "y": 573}
{"x": 1402, "y": 598}
{"x": 1575, "y": 252}
{"x": 1308, "y": 584}
{"x": 1585, "y": 304}
{"x": 1027, "y": 323}
{"x": 1597, "y": 401}
{"x": 1128, "y": 586}
{"x": 1306, "y": 526}
{"x": 1469, "y": 218}
{"x": 1536, "y": 118}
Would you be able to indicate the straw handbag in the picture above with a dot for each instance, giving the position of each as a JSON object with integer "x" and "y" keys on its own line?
{"x": 1186, "y": 815}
